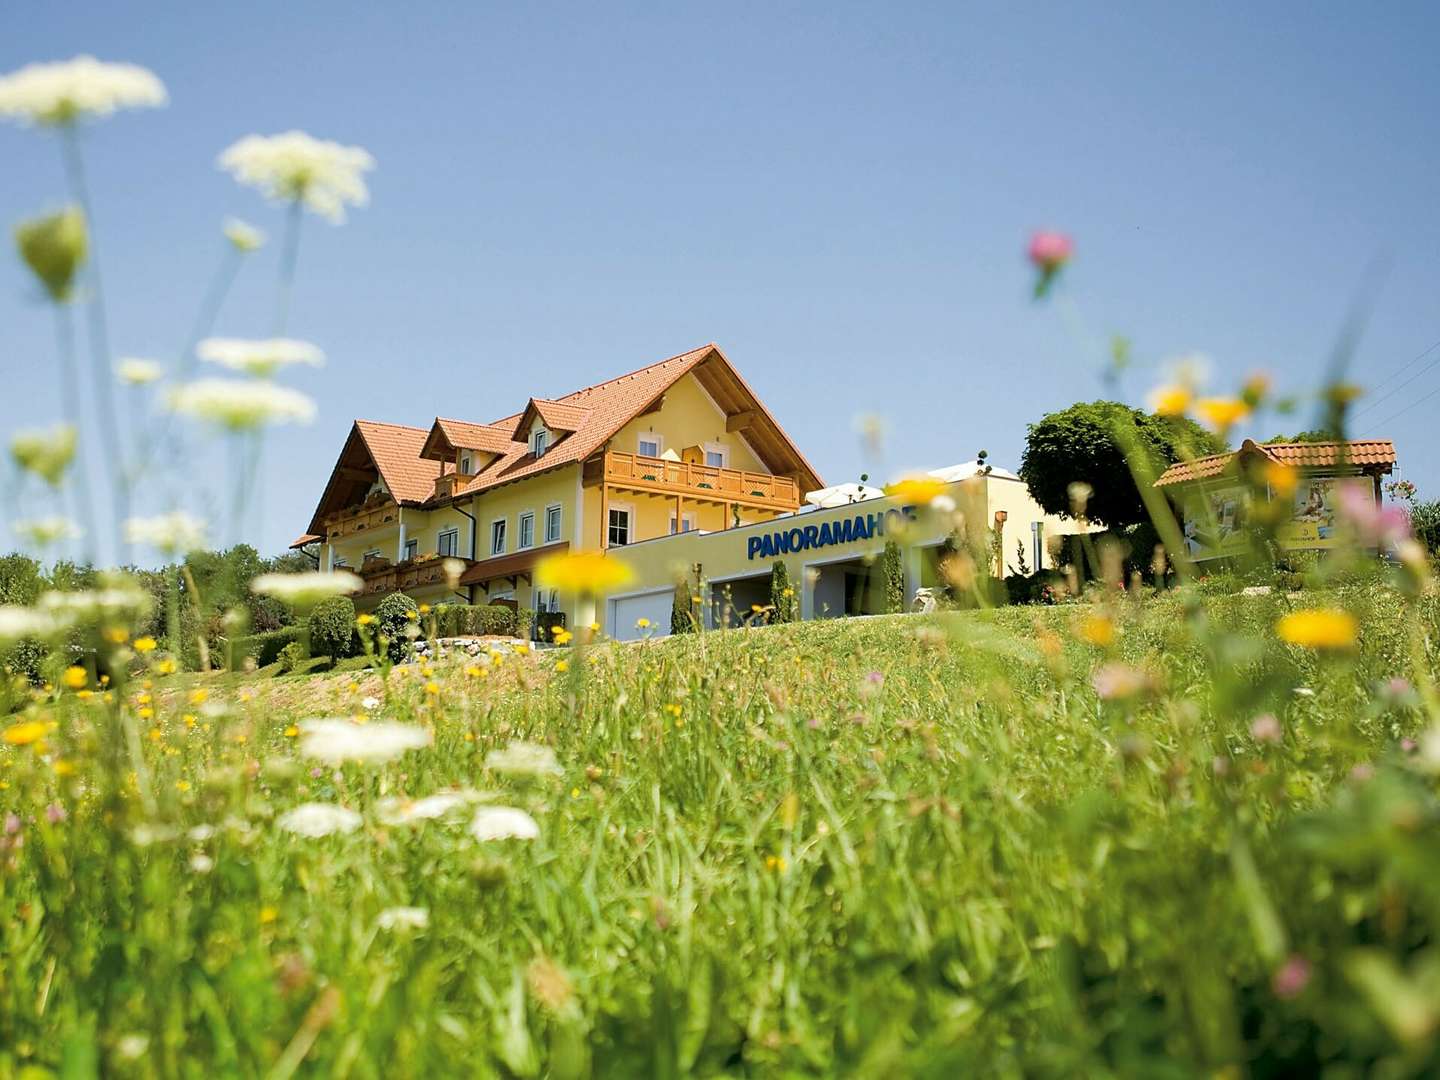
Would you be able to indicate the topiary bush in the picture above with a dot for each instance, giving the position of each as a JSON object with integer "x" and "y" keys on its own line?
{"x": 782, "y": 595}
{"x": 332, "y": 628}
{"x": 394, "y": 618}
{"x": 892, "y": 569}
{"x": 682, "y": 617}
{"x": 293, "y": 656}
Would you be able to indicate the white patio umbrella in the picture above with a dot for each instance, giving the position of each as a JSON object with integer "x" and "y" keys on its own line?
{"x": 843, "y": 495}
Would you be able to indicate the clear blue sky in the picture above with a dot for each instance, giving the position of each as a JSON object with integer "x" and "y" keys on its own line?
{"x": 839, "y": 194}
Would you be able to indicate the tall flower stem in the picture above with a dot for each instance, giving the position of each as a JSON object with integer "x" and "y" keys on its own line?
{"x": 101, "y": 374}
{"x": 70, "y": 404}
{"x": 210, "y": 307}
{"x": 289, "y": 256}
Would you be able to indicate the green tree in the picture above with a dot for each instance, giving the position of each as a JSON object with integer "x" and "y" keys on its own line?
{"x": 1312, "y": 435}
{"x": 332, "y": 627}
{"x": 782, "y": 594}
{"x": 394, "y": 617}
{"x": 1079, "y": 444}
{"x": 682, "y": 618}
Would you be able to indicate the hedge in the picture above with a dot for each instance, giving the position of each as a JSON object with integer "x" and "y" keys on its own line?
{"x": 266, "y": 647}
{"x": 454, "y": 620}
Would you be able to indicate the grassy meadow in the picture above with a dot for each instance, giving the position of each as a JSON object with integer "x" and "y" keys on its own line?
{"x": 1139, "y": 838}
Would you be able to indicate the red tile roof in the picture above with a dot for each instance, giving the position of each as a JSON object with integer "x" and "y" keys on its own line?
{"x": 467, "y": 436}
{"x": 395, "y": 449}
{"x": 1369, "y": 455}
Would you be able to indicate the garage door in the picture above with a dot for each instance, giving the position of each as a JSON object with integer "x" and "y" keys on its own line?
{"x": 626, "y": 613}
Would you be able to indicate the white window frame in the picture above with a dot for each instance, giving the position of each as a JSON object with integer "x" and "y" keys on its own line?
{"x": 466, "y": 461}
{"x": 650, "y": 436}
{"x": 717, "y": 448}
{"x": 629, "y": 512}
{"x": 539, "y": 441}
{"x": 520, "y": 542}
{"x": 502, "y": 534}
{"x": 688, "y": 521}
{"x": 454, "y": 533}
{"x": 559, "y": 523}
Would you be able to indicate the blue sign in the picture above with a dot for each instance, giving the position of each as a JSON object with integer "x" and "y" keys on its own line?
{"x": 828, "y": 534}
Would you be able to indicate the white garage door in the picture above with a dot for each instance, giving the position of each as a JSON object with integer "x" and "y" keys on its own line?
{"x": 626, "y": 613}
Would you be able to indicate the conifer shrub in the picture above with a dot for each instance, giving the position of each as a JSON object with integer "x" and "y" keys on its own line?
{"x": 332, "y": 628}
{"x": 892, "y": 576}
{"x": 396, "y": 617}
{"x": 782, "y": 595}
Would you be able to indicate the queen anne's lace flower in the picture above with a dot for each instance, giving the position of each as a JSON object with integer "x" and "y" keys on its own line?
{"x": 307, "y": 589}
{"x": 337, "y": 740}
{"x": 241, "y": 404}
{"x": 171, "y": 534}
{"x": 18, "y": 622}
{"x": 262, "y": 357}
{"x": 503, "y": 823}
{"x": 524, "y": 759}
{"x": 138, "y": 371}
{"x": 403, "y": 918}
{"x": 64, "y": 91}
{"x": 444, "y": 804}
{"x": 46, "y": 453}
{"x": 319, "y": 819}
{"x": 296, "y": 167}
{"x": 46, "y": 531}
{"x": 243, "y": 236}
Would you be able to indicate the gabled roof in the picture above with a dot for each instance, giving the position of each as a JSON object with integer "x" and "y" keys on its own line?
{"x": 447, "y": 436}
{"x": 390, "y": 450}
{"x": 1365, "y": 455}
{"x": 610, "y": 405}
{"x": 557, "y": 416}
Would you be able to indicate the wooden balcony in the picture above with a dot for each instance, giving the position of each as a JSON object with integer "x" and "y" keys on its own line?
{"x": 702, "y": 483}
{"x": 356, "y": 520}
{"x": 401, "y": 577}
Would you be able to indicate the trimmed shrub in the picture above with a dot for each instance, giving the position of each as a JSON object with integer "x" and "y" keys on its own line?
{"x": 394, "y": 616}
{"x": 293, "y": 656}
{"x": 782, "y": 595}
{"x": 453, "y": 620}
{"x": 892, "y": 569}
{"x": 332, "y": 628}
{"x": 682, "y": 612}
{"x": 265, "y": 648}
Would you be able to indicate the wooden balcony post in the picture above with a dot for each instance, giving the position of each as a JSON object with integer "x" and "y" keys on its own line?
{"x": 604, "y": 515}
{"x": 679, "y": 513}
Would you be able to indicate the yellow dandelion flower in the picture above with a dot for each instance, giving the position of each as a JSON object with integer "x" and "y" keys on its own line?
{"x": 75, "y": 678}
{"x": 145, "y": 644}
{"x": 1170, "y": 400}
{"x": 64, "y": 768}
{"x": 916, "y": 489}
{"x": 642, "y": 623}
{"x": 292, "y": 731}
{"x": 1222, "y": 413}
{"x": 432, "y": 689}
{"x": 199, "y": 696}
{"x": 104, "y": 680}
{"x": 23, "y": 734}
{"x": 143, "y": 699}
{"x": 156, "y": 734}
{"x": 166, "y": 666}
{"x": 1319, "y": 628}
{"x": 145, "y": 712}
{"x": 587, "y": 572}
{"x": 424, "y": 609}
{"x": 190, "y": 720}
{"x": 115, "y": 635}
{"x": 182, "y": 785}
{"x": 268, "y": 915}
{"x": 775, "y": 863}
{"x": 522, "y": 650}
{"x": 473, "y": 671}
{"x": 1283, "y": 479}
{"x": 1098, "y": 630}
{"x": 562, "y": 666}
{"x": 365, "y": 619}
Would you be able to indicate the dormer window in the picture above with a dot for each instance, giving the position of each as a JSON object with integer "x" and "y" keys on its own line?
{"x": 539, "y": 439}
{"x": 466, "y": 461}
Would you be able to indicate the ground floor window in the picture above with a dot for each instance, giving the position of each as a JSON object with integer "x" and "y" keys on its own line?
{"x": 687, "y": 523}
{"x": 619, "y": 526}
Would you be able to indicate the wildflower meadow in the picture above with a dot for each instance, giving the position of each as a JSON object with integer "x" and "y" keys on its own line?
{"x": 1159, "y": 822}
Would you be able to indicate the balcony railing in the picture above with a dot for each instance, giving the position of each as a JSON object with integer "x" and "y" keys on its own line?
{"x": 388, "y": 578}
{"x": 700, "y": 481}
{"x": 353, "y": 521}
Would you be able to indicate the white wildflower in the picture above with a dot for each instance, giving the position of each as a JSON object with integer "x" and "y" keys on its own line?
{"x": 175, "y": 533}
{"x": 240, "y": 404}
{"x": 18, "y": 622}
{"x": 243, "y": 236}
{"x": 296, "y": 167}
{"x": 137, "y": 371}
{"x": 132, "y": 1047}
{"x": 396, "y": 811}
{"x": 370, "y": 704}
{"x": 524, "y": 759}
{"x": 42, "y": 532}
{"x": 201, "y": 833}
{"x": 308, "y": 588}
{"x": 64, "y": 91}
{"x": 201, "y": 863}
{"x": 319, "y": 819}
{"x": 403, "y": 918}
{"x": 119, "y": 602}
{"x": 148, "y": 834}
{"x": 503, "y": 823}
{"x": 45, "y": 452}
{"x": 261, "y": 357}
{"x": 336, "y": 740}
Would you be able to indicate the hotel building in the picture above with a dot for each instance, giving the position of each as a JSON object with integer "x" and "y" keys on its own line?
{"x": 677, "y": 469}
